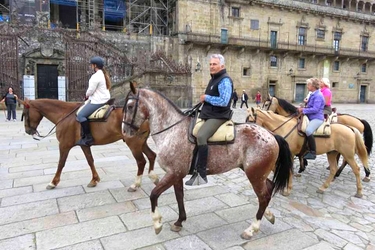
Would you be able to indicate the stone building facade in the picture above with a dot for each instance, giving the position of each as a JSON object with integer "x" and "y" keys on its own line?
{"x": 275, "y": 46}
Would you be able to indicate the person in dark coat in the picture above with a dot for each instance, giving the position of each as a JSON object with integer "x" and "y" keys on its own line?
{"x": 10, "y": 100}
{"x": 234, "y": 99}
{"x": 244, "y": 99}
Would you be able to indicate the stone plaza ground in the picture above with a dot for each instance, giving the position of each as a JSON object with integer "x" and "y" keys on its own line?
{"x": 73, "y": 216}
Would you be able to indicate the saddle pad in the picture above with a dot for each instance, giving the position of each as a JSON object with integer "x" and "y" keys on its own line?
{"x": 323, "y": 131}
{"x": 225, "y": 133}
{"x": 97, "y": 114}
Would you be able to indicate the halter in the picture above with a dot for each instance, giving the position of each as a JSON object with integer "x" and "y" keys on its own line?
{"x": 268, "y": 108}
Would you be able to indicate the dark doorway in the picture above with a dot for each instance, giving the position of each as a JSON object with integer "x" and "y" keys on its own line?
{"x": 47, "y": 81}
{"x": 300, "y": 92}
{"x": 362, "y": 94}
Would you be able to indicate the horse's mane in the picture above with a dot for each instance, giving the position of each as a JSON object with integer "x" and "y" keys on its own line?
{"x": 288, "y": 107}
{"x": 169, "y": 101}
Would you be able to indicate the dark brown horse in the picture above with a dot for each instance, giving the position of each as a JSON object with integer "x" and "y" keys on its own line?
{"x": 284, "y": 108}
{"x": 256, "y": 151}
{"x": 62, "y": 114}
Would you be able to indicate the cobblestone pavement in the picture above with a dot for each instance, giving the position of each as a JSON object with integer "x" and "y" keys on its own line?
{"x": 73, "y": 216}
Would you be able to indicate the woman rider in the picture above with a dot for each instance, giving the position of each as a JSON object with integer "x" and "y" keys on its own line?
{"x": 97, "y": 95}
{"x": 314, "y": 111}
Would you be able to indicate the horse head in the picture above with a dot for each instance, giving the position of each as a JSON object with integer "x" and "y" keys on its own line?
{"x": 134, "y": 113}
{"x": 31, "y": 116}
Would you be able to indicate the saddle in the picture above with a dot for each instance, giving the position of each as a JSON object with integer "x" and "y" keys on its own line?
{"x": 102, "y": 113}
{"x": 225, "y": 134}
{"x": 323, "y": 131}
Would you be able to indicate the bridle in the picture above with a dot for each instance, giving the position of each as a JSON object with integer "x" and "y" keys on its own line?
{"x": 269, "y": 105}
{"x": 27, "y": 119}
{"x": 187, "y": 113}
{"x": 136, "y": 98}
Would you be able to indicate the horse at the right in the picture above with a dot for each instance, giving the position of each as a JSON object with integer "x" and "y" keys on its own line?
{"x": 284, "y": 108}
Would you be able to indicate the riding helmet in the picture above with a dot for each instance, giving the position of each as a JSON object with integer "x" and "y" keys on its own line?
{"x": 98, "y": 61}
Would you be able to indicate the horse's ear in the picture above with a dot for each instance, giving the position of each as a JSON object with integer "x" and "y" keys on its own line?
{"x": 133, "y": 86}
{"x": 252, "y": 110}
{"x": 269, "y": 96}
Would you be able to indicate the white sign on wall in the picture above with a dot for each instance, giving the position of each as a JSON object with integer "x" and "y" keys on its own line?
{"x": 61, "y": 88}
{"x": 29, "y": 87}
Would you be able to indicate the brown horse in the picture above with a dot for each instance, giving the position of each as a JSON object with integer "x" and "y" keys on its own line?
{"x": 62, "y": 114}
{"x": 256, "y": 151}
{"x": 284, "y": 108}
{"x": 342, "y": 140}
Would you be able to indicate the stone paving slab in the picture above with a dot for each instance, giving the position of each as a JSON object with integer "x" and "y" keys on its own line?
{"x": 75, "y": 217}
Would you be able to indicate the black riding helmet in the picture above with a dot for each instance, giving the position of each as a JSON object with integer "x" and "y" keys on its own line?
{"x": 98, "y": 61}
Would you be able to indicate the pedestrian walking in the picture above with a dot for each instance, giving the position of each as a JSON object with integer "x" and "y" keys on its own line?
{"x": 244, "y": 99}
{"x": 258, "y": 98}
{"x": 234, "y": 99}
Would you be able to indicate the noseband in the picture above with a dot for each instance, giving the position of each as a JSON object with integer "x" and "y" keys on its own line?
{"x": 269, "y": 105}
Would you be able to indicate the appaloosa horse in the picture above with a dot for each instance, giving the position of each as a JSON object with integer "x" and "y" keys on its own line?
{"x": 62, "y": 114}
{"x": 256, "y": 151}
{"x": 284, "y": 108}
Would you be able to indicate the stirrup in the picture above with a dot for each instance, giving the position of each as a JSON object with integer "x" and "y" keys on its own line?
{"x": 310, "y": 156}
{"x": 85, "y": 142}
{"x": 196, "y": 180}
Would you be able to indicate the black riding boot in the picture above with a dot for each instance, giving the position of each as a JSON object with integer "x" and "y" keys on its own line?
{"x": 86, "y": 139}
{"x": 312, "y": 154}
{"x": 200, "y": 175}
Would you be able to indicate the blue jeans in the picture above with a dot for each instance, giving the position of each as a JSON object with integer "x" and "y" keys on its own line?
{"x": 313, "y": 125}
{"x": 86, "y": 111}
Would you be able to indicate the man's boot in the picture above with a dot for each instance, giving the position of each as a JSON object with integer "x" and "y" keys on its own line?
{"x": 200, "y": 176}
{"x": 312, "y": 154}
{"x": 86, "y": 139}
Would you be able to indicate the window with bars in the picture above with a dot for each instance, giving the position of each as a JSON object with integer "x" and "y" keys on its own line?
{"x": 301, "y": 63}
{"x": 336, "y": 41}
{"x": 235, "y": 12}
{"x": 273, "y": 61}
{"x": 364, "y": 68}
{"x": 302, "y": 36}
{"x": 336, "y": 65}
{"x": 254, "y": 24}
{"x": 320, "y": 33}
{"x": 364, "y": 44}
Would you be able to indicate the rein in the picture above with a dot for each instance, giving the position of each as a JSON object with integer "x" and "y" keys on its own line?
{"x": 50, "y": 132}
{"x": 295, "y": 126}
{"x": 187, "y": 113}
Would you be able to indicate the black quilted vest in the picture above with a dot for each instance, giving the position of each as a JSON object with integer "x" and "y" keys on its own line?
{"x": 215, "y": 112}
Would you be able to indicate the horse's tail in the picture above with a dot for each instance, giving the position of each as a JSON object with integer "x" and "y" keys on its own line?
{"x": 361, "y": 149}
{"x": 284, "y": 165}
{"x": 367, "y": 136}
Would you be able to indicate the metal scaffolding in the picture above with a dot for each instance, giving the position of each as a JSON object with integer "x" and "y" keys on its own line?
{"x": 150, "y": 16}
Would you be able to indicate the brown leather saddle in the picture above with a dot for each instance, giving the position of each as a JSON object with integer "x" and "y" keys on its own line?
{"x": 323, "y": 131}
{"x": 102, "y": 113}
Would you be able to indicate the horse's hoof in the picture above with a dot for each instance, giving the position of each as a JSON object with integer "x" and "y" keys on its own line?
{"x": 358, "y": 195}
{"x": 132, "y": 190}
{"x": 319, "y": 191}
{"x": 271, "y": 219}
{"x": 158, "y": 230}
{"x": 156, "y": 181}
{"x": 285, "y": 193}
{"x": 245, "y": 236}
{"x": 366, "y": 179}
{"x": 50, "y": 186}
{"x": 298, "y": 175}
{"x": 90, "y": 185}
{"x": 175, "y": 228}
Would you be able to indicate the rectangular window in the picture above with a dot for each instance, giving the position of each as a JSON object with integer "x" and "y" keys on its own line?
{"x": 302, "y": 36}
{"x": 336, "y": 65}
{"x": 246, "y": 71}
{"x": 224, "y": 36}
{"x": 364, "y": 45}
{"x": 235, "y": 12}
{"x": 273, "y": 60}
{"x": 336, "y": 41}
{"x": 320, "y": 33}
{"x": 301, "y": 63}
{"x": 254, "y": 24}
{"x": 273, "y": 39}
{"x": 335, "y": 84}
{"x": 364, "y": 68}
